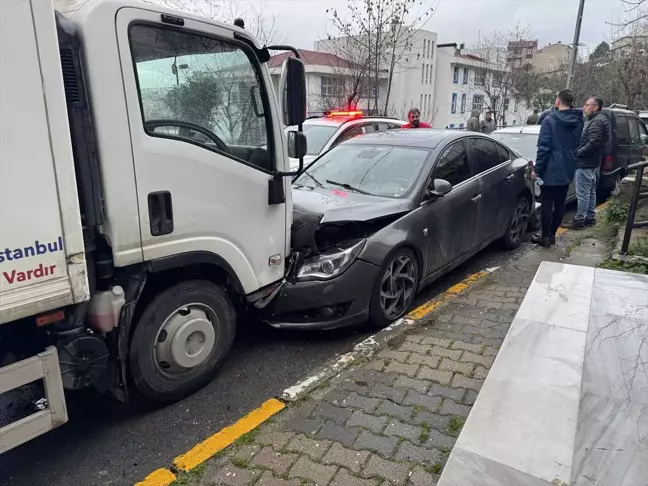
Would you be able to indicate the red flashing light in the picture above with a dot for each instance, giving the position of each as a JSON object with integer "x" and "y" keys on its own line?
{"x": 344, "y": 113}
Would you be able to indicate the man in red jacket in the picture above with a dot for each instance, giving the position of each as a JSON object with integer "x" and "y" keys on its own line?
{"x": 414, "y": 118}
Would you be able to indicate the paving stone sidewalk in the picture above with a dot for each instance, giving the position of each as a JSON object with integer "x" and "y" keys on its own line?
{"x": 394, "y": 419}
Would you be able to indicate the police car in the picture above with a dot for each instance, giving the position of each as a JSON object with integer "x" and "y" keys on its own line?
{"x": 324, "y": 132}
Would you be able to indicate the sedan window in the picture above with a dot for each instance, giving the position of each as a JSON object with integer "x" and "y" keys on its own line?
{"x": 524, "y": 143}
{"x": 483, "y": 153}
{"x": 453, "y": 165}
{"x": 317, "y": 136}
{"x": 379, "y": 170}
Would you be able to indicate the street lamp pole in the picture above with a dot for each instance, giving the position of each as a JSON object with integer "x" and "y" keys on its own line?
{"x": 574, "y": 52}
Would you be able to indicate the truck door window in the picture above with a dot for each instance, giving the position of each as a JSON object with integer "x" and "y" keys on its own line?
{"x": 203, "y": 91}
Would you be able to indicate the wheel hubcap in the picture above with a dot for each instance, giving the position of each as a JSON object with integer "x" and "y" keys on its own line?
{"x": 520, "y": 221}
{"x": 185, "y": 340}
{"x": 397, "y": 287}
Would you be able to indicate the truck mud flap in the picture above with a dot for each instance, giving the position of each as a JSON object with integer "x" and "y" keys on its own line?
{"x": 44, "y": 366}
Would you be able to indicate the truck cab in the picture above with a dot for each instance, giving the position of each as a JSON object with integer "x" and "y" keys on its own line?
{"x": 166, "y": 193}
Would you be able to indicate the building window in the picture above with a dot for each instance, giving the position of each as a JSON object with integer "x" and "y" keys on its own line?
{"x": 515, "y": 106}
{"x": 465, "y": 76}
{"x": 424, "y": 46}
{"x": 455, "y": 75}
{"x": 478, "y": 102}
{"x": 422, "y": 73}
{"x": 463, "y": 102}
{"x": 431, "y": 49}
{"x": 332, "y": 86}
{"x": 421, "y": 103}
{"x": 427, "y": 74}
{"x": 368, "y": 89}
{"x": 506, "y": 104}
{"x": 480, "y": 77}
{"x": 453, "y": 106}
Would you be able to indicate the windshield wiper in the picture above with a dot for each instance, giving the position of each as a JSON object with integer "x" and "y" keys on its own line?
{"x": 348, "y": 186}
{"x": 318, "y": 183}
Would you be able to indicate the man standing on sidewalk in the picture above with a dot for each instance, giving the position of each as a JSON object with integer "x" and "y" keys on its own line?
{"x": 488, "y": 124}
{"x": 556, "y": 163}
{"x": 588, "y": 160}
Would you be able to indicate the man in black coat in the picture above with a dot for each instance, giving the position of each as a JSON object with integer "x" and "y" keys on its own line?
{"x": 556, "y": 162}
{"x": 589, "y": 156}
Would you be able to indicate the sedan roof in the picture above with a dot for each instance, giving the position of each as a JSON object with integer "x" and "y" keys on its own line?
{"x": 423, "y": 138}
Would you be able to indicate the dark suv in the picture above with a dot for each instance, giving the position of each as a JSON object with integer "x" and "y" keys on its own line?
{"x": 628, "y": 138}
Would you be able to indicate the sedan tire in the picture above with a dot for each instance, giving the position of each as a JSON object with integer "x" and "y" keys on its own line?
{"x": 394, "y": 289}
{"x": 517, "y": 225}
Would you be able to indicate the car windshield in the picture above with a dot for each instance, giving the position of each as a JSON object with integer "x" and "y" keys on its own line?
{"x": 378, "y": 170}
{"x": 317, "y": 136}
{"x": 524, "y": 143}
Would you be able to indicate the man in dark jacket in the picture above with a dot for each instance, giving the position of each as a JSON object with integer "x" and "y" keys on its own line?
{"x": 533, "y": 118}
{"x": 591, "y": 150}
{"x": 473, "y": 121}
{"x": 544, "y": 114}
{"x": 556, "y": 163}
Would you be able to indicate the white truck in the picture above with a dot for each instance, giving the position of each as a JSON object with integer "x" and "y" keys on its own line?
{"x": 144, "y": 198}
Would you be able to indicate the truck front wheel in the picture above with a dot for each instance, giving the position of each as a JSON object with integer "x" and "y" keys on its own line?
{"x": 180, "y": 340}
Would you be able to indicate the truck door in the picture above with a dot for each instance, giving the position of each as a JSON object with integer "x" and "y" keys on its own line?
{"x": 203, "y": 135}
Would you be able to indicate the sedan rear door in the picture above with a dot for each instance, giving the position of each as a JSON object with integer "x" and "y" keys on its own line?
{"x": 497, "y": 179}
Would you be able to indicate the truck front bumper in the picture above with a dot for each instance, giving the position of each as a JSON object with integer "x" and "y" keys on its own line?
{"x": 44, "y": 366}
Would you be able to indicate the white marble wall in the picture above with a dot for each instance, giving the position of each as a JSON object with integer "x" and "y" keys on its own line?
{"x": 566, "y": 401}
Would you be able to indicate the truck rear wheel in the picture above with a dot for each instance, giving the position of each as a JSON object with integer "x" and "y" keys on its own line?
{"x": 180, "y": 340}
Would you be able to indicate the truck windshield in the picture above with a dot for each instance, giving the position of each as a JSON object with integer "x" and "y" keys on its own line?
{"x": 379, "y": 170}
{"x": 201, "y": 90}
{"x": 317, "y": 136}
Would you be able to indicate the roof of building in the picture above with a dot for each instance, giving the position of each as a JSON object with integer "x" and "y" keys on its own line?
{"x": 522, "y": 43}
{"x": 313, "y": 58}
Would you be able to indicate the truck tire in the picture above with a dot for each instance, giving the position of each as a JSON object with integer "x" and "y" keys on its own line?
{"x": 180, "y": 340}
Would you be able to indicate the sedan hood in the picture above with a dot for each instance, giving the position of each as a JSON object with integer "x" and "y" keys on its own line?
{"x": 337, "y": 205}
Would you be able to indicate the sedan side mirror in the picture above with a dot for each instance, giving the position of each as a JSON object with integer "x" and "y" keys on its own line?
{"x": 438, "y": 188}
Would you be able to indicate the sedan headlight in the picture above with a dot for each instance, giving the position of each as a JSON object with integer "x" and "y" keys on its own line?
{"x": 331, "y": 263}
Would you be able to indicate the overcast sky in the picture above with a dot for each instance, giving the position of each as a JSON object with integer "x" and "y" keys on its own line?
{"x": 304, "y": 21}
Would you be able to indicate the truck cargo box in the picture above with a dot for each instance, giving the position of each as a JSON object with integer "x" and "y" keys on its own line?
{"x": 42, "y": 260}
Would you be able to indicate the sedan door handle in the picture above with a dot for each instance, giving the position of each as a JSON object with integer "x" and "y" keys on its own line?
{"x": 509, "y": 178}
{"x": 476, "y": 198}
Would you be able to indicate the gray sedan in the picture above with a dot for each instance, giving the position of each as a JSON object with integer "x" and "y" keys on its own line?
{"x": 380, "y": 216}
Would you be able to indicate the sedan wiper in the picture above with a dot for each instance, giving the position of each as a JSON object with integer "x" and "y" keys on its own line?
{"x": 319, "y": 184}
{"x": 348, "y": 186}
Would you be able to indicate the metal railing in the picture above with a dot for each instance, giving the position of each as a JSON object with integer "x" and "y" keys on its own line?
{"x": 636, "y": 196}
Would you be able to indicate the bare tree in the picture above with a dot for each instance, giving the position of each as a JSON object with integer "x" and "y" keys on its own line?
{"x": 499, "y": 80}
{"x": 378, "y": 37}
{"x": 257, "y": 20}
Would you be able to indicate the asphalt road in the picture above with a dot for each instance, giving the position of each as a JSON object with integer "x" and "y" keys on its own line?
{"x": 106, "y": 443}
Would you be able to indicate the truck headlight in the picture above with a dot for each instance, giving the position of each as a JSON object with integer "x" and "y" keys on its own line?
{"x": 331, "y": 263}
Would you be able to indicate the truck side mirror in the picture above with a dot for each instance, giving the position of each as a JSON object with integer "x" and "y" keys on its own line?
{"x": 297, "y": 145}
{"x": 293, "y": 99}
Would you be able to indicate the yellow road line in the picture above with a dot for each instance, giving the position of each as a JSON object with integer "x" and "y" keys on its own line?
{"x": 220, "y": 440}
{"x": 161, "y": 477}
{"x": 424, "y": 309}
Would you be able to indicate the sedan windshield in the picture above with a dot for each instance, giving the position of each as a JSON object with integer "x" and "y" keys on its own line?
{"x": 378, "y": 170}
{"x": 526, "y": 144}
{"x": 317, "y": 136}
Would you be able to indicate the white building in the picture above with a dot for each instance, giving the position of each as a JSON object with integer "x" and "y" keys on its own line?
{"x": 329, "y": 79}
{"x": 463, "y": 83}
{"x": 412, "y": 83}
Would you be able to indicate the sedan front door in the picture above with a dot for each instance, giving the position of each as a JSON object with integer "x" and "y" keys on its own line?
{"x": 452, "y": 219}
{"x": 497, "y": 179}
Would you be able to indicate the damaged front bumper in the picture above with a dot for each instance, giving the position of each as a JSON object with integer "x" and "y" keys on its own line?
{"x": 325, "y": 304}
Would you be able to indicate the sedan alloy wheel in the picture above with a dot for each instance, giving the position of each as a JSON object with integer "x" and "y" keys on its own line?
{"x": 398, "y": 286}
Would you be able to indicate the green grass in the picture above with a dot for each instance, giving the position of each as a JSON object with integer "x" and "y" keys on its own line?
{"x": 454, "y": 427}
{"x": 425, "y": 432}
{"x": 616, "y": 211}
{"x": 190, "y": 478}
{"x": 633, "y": 267}
{"x": 434, "y": 468}
{"x": 639, "y": 247}
{"x": 247, "y": 438}
{"x": 242, "y": 463}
